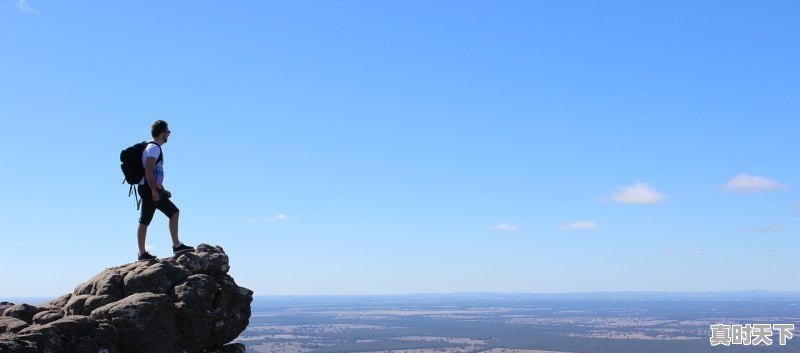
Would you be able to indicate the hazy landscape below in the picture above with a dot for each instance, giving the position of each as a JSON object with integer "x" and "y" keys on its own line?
{"x": 513, "y": 323}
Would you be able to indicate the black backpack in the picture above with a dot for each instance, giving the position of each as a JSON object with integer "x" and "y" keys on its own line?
{"x": 132, "y": 166}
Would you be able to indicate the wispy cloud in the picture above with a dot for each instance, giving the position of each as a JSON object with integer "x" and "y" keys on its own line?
{"x": 278, "y": 218}
{"x": 768, "y": 229}
{"x": 505, "y": 227}
{"x": 752, "y": 184}
{"x": 639, "y": 193}
{"x": 23, "y": 6}
{"x": 672, "y": 252}
{"x": 580, "y": 225}
{"x": 669, "y": 252}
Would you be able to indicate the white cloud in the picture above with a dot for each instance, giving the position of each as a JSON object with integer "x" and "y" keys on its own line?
{"x": 672, "y": 252}
{"x": 669, "y": 252}
{"x": 23, "y": 6}
{"x": 639, "y": 193}
{"x": 752, "y": 184}
{"x": 278, "y": 218}
{"x": 768, "y": 229}
{"x": 580, "y": 225}
{"x": 505, "y": 227}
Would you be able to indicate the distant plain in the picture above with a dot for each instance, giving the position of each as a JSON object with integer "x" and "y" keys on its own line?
{"x": 514, "y": 323}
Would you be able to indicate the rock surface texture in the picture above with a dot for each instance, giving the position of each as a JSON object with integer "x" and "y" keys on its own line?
{"x": 187, "y": 303}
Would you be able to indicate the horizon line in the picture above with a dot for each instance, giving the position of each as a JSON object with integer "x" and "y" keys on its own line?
{"x": 538, "y": 293}
{"x": 478, "y": 293}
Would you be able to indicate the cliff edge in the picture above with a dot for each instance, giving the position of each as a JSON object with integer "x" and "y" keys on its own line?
{"x": 186, "y": 303}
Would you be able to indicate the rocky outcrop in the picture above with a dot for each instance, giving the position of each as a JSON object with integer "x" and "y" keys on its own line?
{"x": 187, "y": 303}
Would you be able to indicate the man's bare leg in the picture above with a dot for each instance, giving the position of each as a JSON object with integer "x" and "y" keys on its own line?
{"x": 141, "y": 236}
{"x": 173, "y": 229}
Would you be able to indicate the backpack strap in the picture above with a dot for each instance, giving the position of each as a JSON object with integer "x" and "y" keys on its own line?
{"x": 133, "y": 190}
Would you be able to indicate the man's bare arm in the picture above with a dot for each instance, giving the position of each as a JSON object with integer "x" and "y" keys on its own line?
{"x": 149, "y": 167}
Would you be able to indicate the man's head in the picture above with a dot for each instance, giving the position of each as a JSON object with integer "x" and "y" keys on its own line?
{"x": 160, "y": 131}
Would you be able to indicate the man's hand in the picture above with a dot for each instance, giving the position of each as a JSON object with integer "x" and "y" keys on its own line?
{"x": 156, "y": 197}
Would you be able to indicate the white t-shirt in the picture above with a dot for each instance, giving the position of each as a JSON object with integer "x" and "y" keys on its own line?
{"x": 153, "y": 150}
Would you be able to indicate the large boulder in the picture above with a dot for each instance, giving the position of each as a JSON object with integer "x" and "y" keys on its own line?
{"x": 76, "y": 333}
{"x": 23, "y": 312}
{"x": 186, "y": 303}
{"x": 145, "y": 322}
{"x": 10, "y": 324}
{"x": 47, "y": 316}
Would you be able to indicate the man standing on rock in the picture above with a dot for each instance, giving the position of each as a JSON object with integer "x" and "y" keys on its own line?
{"x": 153, "y": 194}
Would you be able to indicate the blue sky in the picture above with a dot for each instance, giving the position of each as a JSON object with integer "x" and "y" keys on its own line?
{"x": 366, "y": 147}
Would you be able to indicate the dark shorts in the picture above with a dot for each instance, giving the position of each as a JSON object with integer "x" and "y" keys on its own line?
{"x": 149, "y": 207}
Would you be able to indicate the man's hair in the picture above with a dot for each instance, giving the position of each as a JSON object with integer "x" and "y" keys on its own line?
{"x": 158, "y": 127}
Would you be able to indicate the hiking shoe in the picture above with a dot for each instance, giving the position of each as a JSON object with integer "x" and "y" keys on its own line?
{"x": 146, "y": 256}
{"x": 181, "y": 248}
